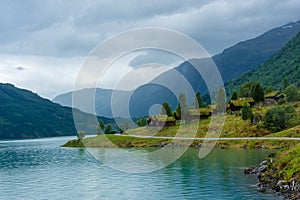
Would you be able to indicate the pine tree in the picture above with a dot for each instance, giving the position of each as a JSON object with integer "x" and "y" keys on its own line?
{"x": 198, "y": 103}
{"x": 234, "y": 96}
{"x": 166, "y": 109}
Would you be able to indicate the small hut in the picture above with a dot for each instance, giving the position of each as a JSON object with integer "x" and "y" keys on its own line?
{"x": 237, "y": 105}
{"x": 161, "y": 121}
{"x": 273, "y": 97}
{"x": 201, "y": 113}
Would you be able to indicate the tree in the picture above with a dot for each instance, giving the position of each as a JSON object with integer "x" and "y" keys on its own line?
{"x": 166, "y": 109}
{"x": 269, "y": 89}
{"x": 285, "y": 83}
{"x": 182, "y": 108}
{"x": 108, "y": 129}
{"x": 292, "y": 93}
{"x": 198, "y": 103}
{"x": 221, "y": 100}
{"x": 80, "y": 135}
{"x": 142, "y": 122}
{"x": 252, "y": 89}
{"x": 247, "y": 112}
{"x": 124, "y": 127}
{"x": 279, "y": 117}
{"x": 258, "y": 94}
{"x": 234, "y": 96}
{"x": 101, "y": 127}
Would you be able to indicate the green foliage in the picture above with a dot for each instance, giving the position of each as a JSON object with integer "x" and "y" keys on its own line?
{"x": 221, "y": 100}
{"x": 101, "y": 127}
{"x": 198, "y": 103}
{"x": 258, "y": 93}
{"x": 285, "y": 83}
{"x": 166, "y": 109}
{"x": 80, "y": 135}
{"x": 108, "y": 129}
{"x": 124, "y": 127}
{"x": 254, "y": 90}
{"x": 246, "y": 112}
{"x": 284, "y": 63}
{"x": 234, "y": 96}
{"x": 270, "y": 89}
{"x": 182, "y": 108}
{"x": 24, "y": 114}
{"x": 292, "y": 93}
{"x": 142, "y": 122}
{"x": 279, "y": 117}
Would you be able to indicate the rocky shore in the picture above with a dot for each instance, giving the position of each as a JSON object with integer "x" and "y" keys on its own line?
{"x": 269, "y": 180}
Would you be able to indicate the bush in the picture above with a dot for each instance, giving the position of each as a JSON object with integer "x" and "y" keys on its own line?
{"x": 292, "y": 93}
{"x": 279, "y": 117}
{"x": 142, "y": 122}
{"x": 246, "y": 112}
{"x": 108, "y": 129}
{"x": 80, "y": 135}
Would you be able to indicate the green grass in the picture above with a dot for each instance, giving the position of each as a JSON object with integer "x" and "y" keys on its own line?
{"x": 234, "y": 126}
{"x": 287, "y": 164}
{"x": 114, "y": 140}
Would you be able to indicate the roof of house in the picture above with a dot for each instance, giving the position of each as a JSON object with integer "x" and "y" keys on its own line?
{"x": 212, "y": 106}
{"x": 274, "y": 94}
{"x": 241, "y": 101}
{"x": 201, "y": 111}
{"x": 163, "y": 118}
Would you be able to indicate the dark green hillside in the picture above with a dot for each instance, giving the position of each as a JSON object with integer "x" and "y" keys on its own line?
{"x": 24, "y": 114}
{"x": 285, "y": 63}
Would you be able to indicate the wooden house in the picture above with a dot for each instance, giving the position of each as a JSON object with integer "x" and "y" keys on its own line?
{"x": 201, "y": 113}
{"x": 273, "y": 97}
{"x": 161, "y": 121}
{"x": 237, "y": 105}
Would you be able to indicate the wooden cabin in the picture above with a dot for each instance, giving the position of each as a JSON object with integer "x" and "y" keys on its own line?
{"x": 201, "y": 113}
{"x": 237, "y": 105}
{"x": 161, "y": 121}
{"x": 273, "y": 97}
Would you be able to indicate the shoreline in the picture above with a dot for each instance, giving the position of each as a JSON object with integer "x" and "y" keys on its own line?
{"x": 279, "y": 174}
{"x": 268, "y": 177}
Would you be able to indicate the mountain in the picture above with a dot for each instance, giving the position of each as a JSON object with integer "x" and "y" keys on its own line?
{"x": 248, "y": 55}
{"x": 24, "y": 114}
{"x": 232, "y": 62}
{"x": 137, "y": 103}
{"x": 283, "y": 64}
{"x": 240, "y": 58}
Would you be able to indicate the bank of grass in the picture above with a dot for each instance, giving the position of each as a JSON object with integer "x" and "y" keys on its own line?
{"x": 287, "y": 164}
{"x": 116, "y": 141}
{"x": 129, "y": 141}
{"x": 233, "y": 126}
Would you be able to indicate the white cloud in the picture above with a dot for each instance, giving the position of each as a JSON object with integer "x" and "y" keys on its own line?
{"x": 48, "y": 76}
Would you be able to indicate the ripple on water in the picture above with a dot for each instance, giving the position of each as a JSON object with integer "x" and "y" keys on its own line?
{"x": 40, "y": 169}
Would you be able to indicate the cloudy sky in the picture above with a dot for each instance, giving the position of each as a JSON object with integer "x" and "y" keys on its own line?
{"x": 43, "y": 44}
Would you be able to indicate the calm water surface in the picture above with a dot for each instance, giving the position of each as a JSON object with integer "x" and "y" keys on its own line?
{"x": 40, "y": 169}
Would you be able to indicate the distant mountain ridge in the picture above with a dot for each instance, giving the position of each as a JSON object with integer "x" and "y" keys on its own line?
{"x": 283, "y": 64}
{"x": 232, "y": 62}
{"x": 249, "y": 54}
{"x": 24, "y": 114}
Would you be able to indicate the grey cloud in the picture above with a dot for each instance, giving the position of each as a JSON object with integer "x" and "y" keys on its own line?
{"x": 72, "y": 28}
{"x": 20, "y": 68}
{"x": 156, "y": 56}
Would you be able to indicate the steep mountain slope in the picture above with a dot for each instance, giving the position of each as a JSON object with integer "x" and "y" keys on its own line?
{"x": 285, "y": 63}
{"x": 242, "y": 57}
{"x": 24, "y": 114}
{"x": 232, "y": 62}
{"x": 247, "y": 55}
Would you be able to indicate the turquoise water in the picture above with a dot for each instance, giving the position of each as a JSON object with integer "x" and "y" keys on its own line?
{"x": 40, "y": 169}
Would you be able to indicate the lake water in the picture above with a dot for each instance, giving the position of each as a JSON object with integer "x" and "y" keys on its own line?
{"x": 40, "y": 169}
